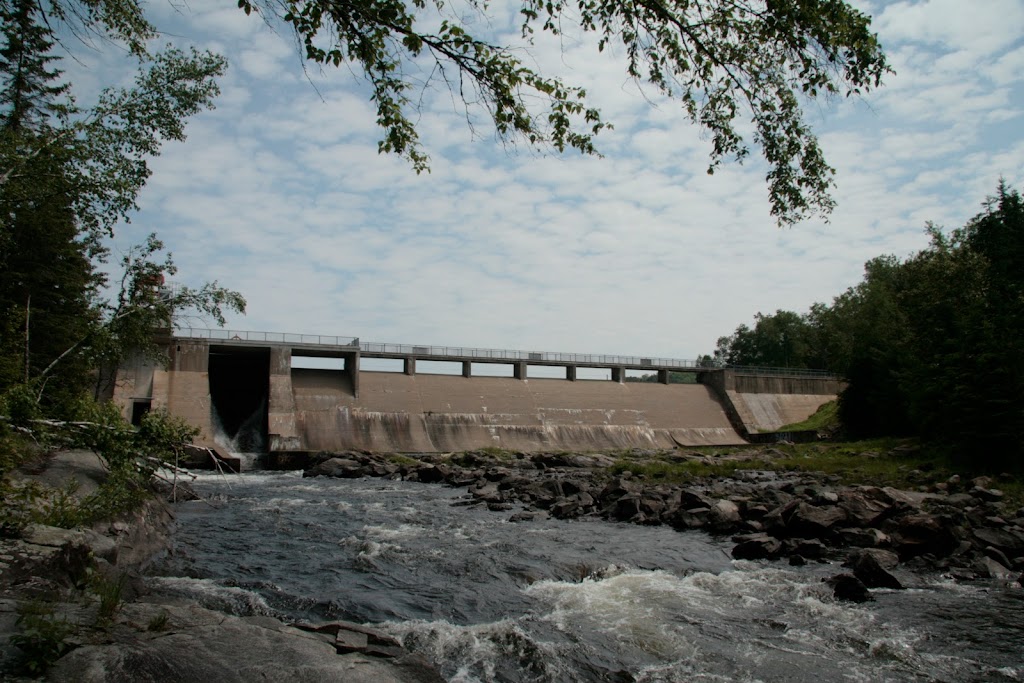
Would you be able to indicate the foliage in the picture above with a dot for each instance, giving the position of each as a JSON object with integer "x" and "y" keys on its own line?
{"x": 130, "y": 455}
{"x": 110, "y": 592}
{"x": 43, "y": 636}
{"x": 159, "y": 621}
{"x": 883, "y": 462}
{"x": 731, "y": 65}
{"x": 783, "y": 339}
{"x": 67, "y": 175}
{"x": 930, "y": 345}
{"x": 824, "y": 419}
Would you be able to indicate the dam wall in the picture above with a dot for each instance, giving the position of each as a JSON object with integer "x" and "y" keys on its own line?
{"x": 245, "y": 392}
{"x": 430, "y": 413}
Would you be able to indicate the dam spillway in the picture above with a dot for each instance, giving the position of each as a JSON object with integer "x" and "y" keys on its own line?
{"x": 425, "y": 413}
{"x": 212, "y": 382}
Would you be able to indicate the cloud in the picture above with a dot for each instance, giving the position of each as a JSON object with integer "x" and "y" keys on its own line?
{"x": 281, "y": 194}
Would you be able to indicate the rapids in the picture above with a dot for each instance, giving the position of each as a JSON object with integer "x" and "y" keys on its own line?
{"x": 586, "y": 600}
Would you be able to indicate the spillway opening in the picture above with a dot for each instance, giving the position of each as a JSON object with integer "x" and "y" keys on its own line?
{"x": 239, "y": 388}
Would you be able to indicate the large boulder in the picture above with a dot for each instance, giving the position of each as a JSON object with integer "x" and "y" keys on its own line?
{"x": 873, "y": 567}
{"x": 198, "y": 645}
{"x": 809, "y": 521}
{"x": 344, "y": 468}
{"x": 1009, "y": 541}
{"x": 849, "y": 588}
{"x": 921, "y": 534}
{"x": 756, "y": 547}
{"x": 864, "y": 506}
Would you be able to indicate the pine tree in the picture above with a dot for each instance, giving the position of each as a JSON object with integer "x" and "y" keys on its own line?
{"x": 31, "y": 92}
{"x": 47, "y": 276}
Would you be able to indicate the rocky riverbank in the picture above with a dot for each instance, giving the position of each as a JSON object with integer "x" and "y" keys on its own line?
{"x": 960, "y": 528}
{"x": 73, "y": 607}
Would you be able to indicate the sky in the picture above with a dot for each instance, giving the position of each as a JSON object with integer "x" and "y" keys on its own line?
{"x": 280, "y": 193}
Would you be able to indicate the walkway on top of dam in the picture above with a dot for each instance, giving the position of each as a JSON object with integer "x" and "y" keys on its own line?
{"x": 330, "y": 345}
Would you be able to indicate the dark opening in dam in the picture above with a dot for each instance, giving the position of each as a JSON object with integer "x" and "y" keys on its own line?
{"x": 239, "y": 387}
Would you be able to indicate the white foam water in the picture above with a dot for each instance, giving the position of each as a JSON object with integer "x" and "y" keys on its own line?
{"x": 586, "y": 601}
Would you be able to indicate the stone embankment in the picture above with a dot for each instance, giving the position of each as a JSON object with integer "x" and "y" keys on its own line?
{"x": 96, "y": 620}
{"x": 960, "y": 528}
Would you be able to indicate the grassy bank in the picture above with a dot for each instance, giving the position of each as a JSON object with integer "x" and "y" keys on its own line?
{"x": 900, "y": 463}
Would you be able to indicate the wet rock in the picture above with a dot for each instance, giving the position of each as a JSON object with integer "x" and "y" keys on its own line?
{"x": 694, "y": 518}
{"x": 529, "y": 516}
{"x": 987, "y": 567}
{"x": 997, "y": 555}
{"x": 343, "y": 468}
{"x": 808, "y": 521}
{"x": 428, "y": 474}
{"x": 864, "y": 506}
{"x": 920, "y": 534}
{"x": 872, "y": 566}
{"x": 566, "y": 508}
{"x": 797, "y": 561}
{"x": 756, "y": 547}
{"x": 985, "y": 494}
{"x": 810, "y": 548}
{"x": 849, "y": 588}
{"x": 1008, "y": 541}
{"x": 724, "y": 515}
{"x": 862, "y": 538}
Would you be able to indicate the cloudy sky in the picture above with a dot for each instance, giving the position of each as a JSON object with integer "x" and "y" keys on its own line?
{"x": 280, "y": 194}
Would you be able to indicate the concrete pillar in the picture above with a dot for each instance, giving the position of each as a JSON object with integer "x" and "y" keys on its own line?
{"x": 352, "y": 368}
{"x": 410, "y": 365}
{"x": 663, "y": 376}
{"x": 619, "y": 375}
{"x": 467, "y": 368}
{"x": 570, "y": 373}
{"x": 519, "y": 370}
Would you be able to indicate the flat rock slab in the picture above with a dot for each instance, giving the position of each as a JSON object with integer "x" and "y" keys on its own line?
{"x": 200, "y": 645}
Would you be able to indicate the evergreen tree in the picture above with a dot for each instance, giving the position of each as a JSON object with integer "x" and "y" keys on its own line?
{"x": 30, "y": 91}
{"x": 47, "y": 278}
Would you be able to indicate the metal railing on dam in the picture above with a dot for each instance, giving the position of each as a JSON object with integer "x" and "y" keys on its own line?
{"x": 460, "y": 353}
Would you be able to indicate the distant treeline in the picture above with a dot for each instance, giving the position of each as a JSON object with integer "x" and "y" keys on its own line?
{"x": 931, "y": 345}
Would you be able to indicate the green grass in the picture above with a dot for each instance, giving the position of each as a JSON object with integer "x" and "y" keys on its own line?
{"x": 825, "y": 419}
{"x": 883, "y": 462}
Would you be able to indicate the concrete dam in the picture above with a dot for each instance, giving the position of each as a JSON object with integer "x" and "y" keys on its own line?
{"x": 234, "y": 385}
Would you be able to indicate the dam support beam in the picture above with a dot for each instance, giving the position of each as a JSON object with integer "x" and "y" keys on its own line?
{"x": 519, "y": 370}
{"x": 410, "y": 365}
{"x": 352, "y": 368}
{"x": 619, "y": 375}
{"x": 663, "y": 376}
{"x": 570, "y": 373}
{"x": 467, "y": 369}
{"x": 282, "y": 432}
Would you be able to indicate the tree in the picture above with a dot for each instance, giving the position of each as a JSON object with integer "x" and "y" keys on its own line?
{"x": 781, "y": 339}
{"x": 68, "y": 174}
{"x": 729, "y": 63}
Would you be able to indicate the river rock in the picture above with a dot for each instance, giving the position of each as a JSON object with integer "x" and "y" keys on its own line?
{"x": 863, "y": 506}
{"x": 343, "y": 468}
{"x": 1008, "y": 541}
{"x": 986, "y": 566}
{"x": 921, "y": 534}
{"x": 694, "y": 518}
{"x": 809, "y": 521}
{"x": 228, "y": 649}
{"x": 872, "y": 566}
{"x": 809, "y": 548}
{"x": 724, "y": 515}
{"x": 756, "y": 547}
{"x": 849, "y": 588}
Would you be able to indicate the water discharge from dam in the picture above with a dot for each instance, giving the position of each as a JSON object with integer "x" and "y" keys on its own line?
{"x": 554, "y": 601}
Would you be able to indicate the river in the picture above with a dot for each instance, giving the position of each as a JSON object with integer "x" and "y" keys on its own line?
{"x": 487, "y": 599}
